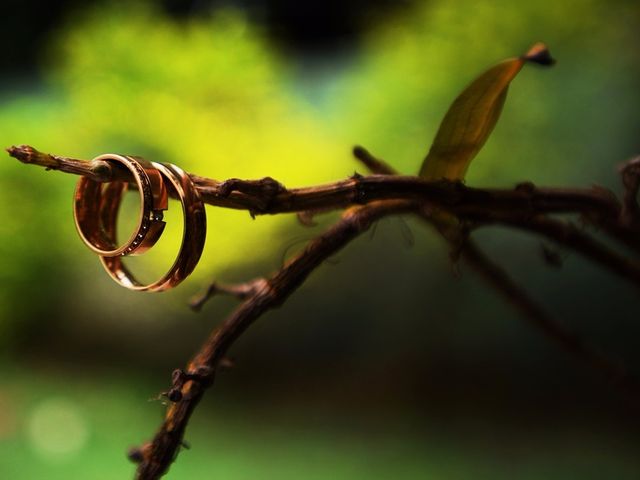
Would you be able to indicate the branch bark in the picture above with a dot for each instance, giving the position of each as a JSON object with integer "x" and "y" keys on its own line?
{"x": 267, "y": 196}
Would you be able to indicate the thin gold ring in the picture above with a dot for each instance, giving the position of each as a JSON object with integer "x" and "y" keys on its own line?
{"x": 89, "y": 208}
{"x": 193, "y": 235}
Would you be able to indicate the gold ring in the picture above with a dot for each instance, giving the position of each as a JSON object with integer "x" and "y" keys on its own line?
{"x": 193, "y": 235}
{"x": 89, "y": 208}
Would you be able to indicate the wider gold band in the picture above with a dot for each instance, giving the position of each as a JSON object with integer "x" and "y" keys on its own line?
{"x": 193, "y": 236}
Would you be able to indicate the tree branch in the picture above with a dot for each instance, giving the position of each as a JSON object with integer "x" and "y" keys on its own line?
{"x": 267, "y": 196}
{"x": 369, "y": 198}
{"x": 156, "y": 457}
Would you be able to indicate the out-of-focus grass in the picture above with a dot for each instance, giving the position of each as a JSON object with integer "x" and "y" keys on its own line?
{"x": 93, "y": 419}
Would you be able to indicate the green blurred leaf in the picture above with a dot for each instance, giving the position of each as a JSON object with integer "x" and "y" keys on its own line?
{"x": 472, "y": 116}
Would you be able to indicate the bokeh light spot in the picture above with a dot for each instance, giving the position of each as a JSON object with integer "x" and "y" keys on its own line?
{"x": 57, "y": 429}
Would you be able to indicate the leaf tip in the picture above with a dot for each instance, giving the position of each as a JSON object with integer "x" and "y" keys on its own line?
{"x": 539, "y": 53}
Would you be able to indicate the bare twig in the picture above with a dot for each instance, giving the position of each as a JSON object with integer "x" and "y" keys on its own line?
{"x": 241, "y": 291}
{"x": 375, "y": 165}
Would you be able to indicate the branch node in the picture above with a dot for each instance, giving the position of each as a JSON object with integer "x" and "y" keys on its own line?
{"x": 201, "y": 374}
{"x": 359, "y": 195}
{"x": 266, "y": 186}
{"x": 139, "y": 454}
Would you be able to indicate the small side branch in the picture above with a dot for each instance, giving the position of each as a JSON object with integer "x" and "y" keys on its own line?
{"x": 242, "y": 291}
{"x": 373, "y": 164}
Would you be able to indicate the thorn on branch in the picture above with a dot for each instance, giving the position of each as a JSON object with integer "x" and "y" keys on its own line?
{"x": 179, "y": 377}
{"x": 139, "y": 454}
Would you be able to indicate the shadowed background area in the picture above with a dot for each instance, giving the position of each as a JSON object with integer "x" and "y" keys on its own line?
{"x": 390, "y": 361}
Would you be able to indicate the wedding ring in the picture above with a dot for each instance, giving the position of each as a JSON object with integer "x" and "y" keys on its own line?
{"x": 90, "y": 209}
{"x": 193, "y": 235}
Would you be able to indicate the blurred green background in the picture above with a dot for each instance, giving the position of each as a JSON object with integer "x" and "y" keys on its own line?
{"x": 386, "y": 364}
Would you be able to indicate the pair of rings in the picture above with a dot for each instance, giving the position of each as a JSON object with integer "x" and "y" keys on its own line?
{"x": 96, "y": 206}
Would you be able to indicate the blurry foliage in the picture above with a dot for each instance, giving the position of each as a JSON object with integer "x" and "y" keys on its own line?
{"x": 213, "y": 96}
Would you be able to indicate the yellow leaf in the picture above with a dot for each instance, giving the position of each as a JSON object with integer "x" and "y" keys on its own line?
{"x": 472, "y": 116}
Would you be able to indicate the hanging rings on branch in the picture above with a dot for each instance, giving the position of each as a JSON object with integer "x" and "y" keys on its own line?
{"x": 96, "y": 207}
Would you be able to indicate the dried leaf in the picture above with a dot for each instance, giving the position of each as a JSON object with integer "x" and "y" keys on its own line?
{"x": 472, "y": 116}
